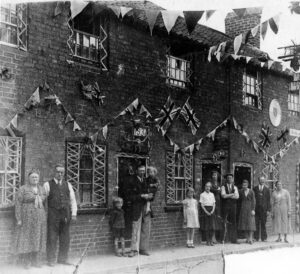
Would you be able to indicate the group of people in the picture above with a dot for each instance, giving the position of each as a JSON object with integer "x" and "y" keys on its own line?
{"x": 218, "y": 211}
{"x": 43, "y": 215}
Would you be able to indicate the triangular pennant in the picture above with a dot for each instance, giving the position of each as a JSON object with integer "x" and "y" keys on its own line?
{"x": 209, "y": 13}
{"x": 116, "y": 10}
{"x": 176, "y": 148}
{"x": 76, "y": 126}
{"x": 235, "y": 124}
{"x": 151, "y": 16}
{"x": 297, "y": 140}
{"x": 240, "y": 12}
{"x": 198, "y": 144}
{"x": 255, "y": 30}
{"x": 191, "y": 147}
{"x": 57, "y": 101}
{"x": 135, "y": 103}
{"x": 263, "y": 29}
{"x": 94, "y": 137}
{"x": 212, "y": 135}
{"x": 169, "y": 18}
{"x": 262, "y": 64}
{"x": 248, "y": 58}
{"x": 270, "y": 63}
{"x": 255, "y": 146}
{"x": 235, "y": 56}
{"x": 104, "y": 131}
{"x": 76, "y": 6}
{"x": 192, "y": 18}
{"x": 69, "y": 119}
{"x": 237, "y": 43}
{"x": 33, "y": 100}
{"x": 274, "y": 23}
{"x": 14, "y": 121}
{"x": 124, "y": 11}
{"x": 59, "y": 8}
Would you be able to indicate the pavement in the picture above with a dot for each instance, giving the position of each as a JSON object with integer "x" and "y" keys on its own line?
{"x": 202, "y": 258}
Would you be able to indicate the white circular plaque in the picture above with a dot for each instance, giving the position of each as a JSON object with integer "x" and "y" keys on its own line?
{"x": 275, "y": 113}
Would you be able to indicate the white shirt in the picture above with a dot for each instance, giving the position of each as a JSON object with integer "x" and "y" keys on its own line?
{"x": 207, "y": 198}
{"x": 72, "y": 196}
{"x": 261, "y": 187}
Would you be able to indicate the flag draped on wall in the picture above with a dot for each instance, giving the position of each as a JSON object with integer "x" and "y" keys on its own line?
{"x": 166, "y": 115}
{"x": 189, "y": 116}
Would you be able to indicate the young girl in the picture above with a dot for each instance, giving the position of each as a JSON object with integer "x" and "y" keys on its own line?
{"x": 190, "y": 215}
{"x": 117, "y": 224}
{"x": 152, "y": 185}
{"x": 208, "y": 205}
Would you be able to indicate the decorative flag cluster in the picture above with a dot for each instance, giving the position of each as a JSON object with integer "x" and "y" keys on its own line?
{"x": 91, "y": 91}
{"x": 190, "y": 117}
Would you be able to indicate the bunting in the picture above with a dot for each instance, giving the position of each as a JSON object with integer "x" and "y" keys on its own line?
{"x": 237, "y": 43}
{"x": 104, "y": 131}
{"x": 124, "y": 11}
{"x": 263, "y": 29}
{"x": 255, "y": 30}
{"x": 169, "y": 18}
{"x": 76, "y": 127}
{"x": 209, "y": 13}
{"x": 240, "y": 12}
{"x": 69, "y": 119}
{"x": 189, "y": 116}
{"x": 151, "y": 16}
{"x": 33, "y": 100}
{"x": 116, "y": 10}
{"x": 274, "y": 23}
{"x": 192, "y": 18}
{"x": 166, "y": 115}
{"x": 12, "y": 126}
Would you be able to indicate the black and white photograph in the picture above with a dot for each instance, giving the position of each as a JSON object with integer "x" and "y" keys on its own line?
{"x": 149, "y": 137}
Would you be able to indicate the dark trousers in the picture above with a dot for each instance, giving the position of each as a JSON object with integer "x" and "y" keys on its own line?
{"x": 58, "y": 229}
{"x": 260, "y": 221}
{"x": 230, "y": 215}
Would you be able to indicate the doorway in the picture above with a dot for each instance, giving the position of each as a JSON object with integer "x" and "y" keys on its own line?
{"x": 242, "y": 171}
{"x": 127, "y": 166}
{"x": 207, "y": 168}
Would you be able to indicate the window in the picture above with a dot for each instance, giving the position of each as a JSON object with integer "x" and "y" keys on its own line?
{"x": 252, "y": 89}
{"x": 293, "y": 99}
{"x": 88, "y": 43}
{"x": 13, "y": 25}
{"x": 86, "y": 172}
{"x": 10, "y": 169}
{"x": 179, "y": 176}
{"x": 177, "y": 71}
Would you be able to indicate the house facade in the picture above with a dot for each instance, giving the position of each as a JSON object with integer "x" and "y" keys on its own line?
{"x": 97, "y": 86}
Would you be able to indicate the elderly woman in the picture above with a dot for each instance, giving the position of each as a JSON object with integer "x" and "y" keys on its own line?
{"x": 247, "y": 212}
{"x": 281, "y": 211}
{"x": 31, "y": 221}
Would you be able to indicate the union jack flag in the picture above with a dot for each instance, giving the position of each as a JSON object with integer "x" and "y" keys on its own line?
{"x": 166, "y": 115}
{"x": 189, "y": 116}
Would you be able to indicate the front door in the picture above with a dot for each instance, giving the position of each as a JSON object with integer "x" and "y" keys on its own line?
{"x": 127, "y": 166}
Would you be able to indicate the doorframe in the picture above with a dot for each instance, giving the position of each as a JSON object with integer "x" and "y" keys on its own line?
{"x": 211, "y": 162}
{"x": 243, "y": 164}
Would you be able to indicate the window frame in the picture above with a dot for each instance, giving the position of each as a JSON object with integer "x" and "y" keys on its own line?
{"x": 256, "y": 95}
{"x": 21, "y": 22}
{"x": 174, "y": 81}
{"x": 16, "y": 174}
{"x": 293, "y": 93}
{"x": 171, "y": 181}
{"x": 76, "y": 183}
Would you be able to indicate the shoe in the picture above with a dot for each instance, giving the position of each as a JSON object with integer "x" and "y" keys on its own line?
{"x": 192, "y": 246}
{"x": 278, "y": 240}
{"x": 132, "y": 253}
{"x": 250, "y": 242}
{"x": 212, "y": 244}
{"x": 51, "y": 264}
{"x": 286, "y": 241}
{"x": 144, "y": 252}
{"x": 64, "y": 262}
{"x": 207, "y": 243}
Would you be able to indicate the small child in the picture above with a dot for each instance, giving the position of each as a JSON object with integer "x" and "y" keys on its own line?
{"x": 190, "y": 215}
{"x": 117, "y": 224}
{"x": 208, "y": 205}
{"x": 152, "y": 185}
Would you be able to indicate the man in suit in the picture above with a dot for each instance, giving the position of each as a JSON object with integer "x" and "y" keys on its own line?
{"x": 262, "y": 209}
{"x": 141, "y": 221}
{"x": 230, "y": 195}
{"x": 62, "y": 208}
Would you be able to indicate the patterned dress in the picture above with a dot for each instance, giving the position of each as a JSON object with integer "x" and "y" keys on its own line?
{"x": 30, "y": 210}
{"x": 281, "y": 206}
{"x": 190, "y": 212}
{"x": 246, "y": 219}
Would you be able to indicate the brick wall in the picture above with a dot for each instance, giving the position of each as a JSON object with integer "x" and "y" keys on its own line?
{"x": 143, "y": 59}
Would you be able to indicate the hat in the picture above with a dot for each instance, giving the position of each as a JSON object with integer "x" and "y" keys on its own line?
{"x": 228, "y": 174}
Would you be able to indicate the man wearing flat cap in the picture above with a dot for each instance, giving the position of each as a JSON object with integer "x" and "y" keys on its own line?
{"x": 230, "y": 195}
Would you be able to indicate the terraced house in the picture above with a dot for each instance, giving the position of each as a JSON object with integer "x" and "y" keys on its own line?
{"x": 97, "y": 85}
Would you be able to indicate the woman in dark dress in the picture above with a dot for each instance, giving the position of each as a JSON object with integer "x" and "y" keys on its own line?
{"x": 216, "y": 190}
{"x": 247, "y": 212}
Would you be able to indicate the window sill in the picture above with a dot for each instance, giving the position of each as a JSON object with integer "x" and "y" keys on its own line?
{"x": 253, "y": 108}
{"x": 84, "y": 211}
{"x": 173, "y": 208}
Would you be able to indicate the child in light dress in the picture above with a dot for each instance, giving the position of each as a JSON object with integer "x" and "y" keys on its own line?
{"x": 190, "y": 215}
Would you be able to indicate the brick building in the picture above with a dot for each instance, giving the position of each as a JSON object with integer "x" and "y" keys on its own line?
{"x": 128, "y": 63}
